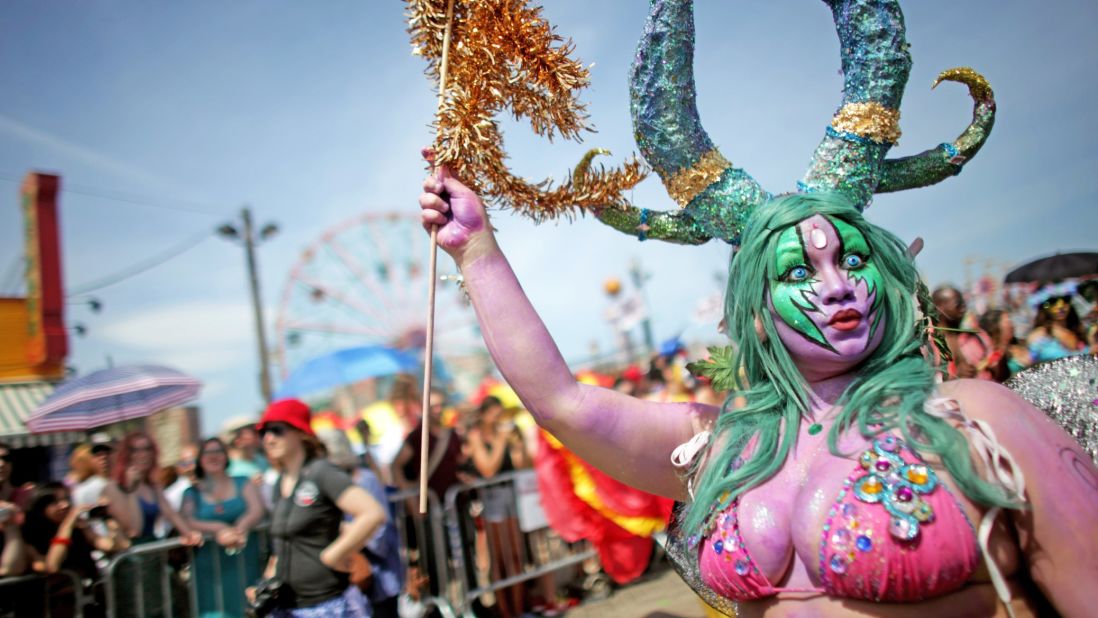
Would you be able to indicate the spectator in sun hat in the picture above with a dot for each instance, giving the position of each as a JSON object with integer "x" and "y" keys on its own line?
{"x": 1057, "y": 330}
{"x": 246, "y": 456}
{"x": 313, "y": 549}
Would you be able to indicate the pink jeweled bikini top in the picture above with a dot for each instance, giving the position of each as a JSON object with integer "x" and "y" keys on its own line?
{"x": 894, "y": 533}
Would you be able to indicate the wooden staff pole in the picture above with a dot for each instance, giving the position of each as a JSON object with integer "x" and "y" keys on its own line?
{"x": 429, "y": 353}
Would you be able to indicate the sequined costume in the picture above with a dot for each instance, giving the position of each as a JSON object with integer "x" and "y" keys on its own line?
{"x": 894, "y": 533}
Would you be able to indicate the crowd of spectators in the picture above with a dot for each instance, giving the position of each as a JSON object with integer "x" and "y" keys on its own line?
{"x": 116, "y": 496}
{"x": 1055, "y": 321}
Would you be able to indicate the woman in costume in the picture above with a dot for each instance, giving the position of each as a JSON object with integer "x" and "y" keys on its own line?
{"x": 848, "y": 477}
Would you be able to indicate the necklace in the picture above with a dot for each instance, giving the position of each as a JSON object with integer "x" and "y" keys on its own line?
{"x": 814, "y": 429}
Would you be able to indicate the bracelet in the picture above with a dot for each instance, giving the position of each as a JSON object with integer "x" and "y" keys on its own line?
{"x": 57, "y": 540}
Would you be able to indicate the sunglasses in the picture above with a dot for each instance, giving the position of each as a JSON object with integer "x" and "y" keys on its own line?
{"x": 1052, "y": 302}
{"x": 275, "y": 429}
{"x": 101, "y": 450}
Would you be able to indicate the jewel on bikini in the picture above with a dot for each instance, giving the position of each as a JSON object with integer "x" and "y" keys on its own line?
{"x": 888, "y": 443}
{"x": 864, "y": 543}
{"x": 837, "y": 564}
{"x": 902, "y": 529}
{"x": 849, "y": 510}
{"x": 871, "y": 485}
{"x": 918, "y": 474}
{"x": 923, "y": 512}
{"x": 840, "y": 541}
{"x": 883, "y": 465}
{"x": 867, "y": 459}
{"x": 904, "y": 493}
{"x": 718, "y": 547}
{"x": 742, "y": 567}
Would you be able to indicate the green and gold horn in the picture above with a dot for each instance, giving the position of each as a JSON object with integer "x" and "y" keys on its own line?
{"x": 876, "y": 65}
{"x": 935, "y": 165}
{"x": 715, "y": 196}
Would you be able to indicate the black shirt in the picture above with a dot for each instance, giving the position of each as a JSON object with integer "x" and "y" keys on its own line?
{"x": 302, "y": 526}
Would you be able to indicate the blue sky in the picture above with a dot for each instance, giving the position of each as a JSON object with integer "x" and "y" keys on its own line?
{"x": 315, "y": 112}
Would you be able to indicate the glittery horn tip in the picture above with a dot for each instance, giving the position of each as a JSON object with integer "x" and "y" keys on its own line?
{"x": 935, "y": 165}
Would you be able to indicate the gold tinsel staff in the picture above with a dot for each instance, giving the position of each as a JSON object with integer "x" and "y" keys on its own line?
{"x": 429, "y": 352}
{"x": 504, "y": 54}
{"x": 488, "y": 55}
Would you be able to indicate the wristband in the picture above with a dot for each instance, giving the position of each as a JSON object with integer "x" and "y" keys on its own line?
{"x": 57, "y": 540}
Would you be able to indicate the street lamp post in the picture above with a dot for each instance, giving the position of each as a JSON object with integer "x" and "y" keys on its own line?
{"x": 249, "y": 239}
{"x": 639, "y": 277}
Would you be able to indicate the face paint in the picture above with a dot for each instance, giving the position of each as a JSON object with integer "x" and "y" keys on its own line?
{"x": 856, "y": 260}
{"x": 791, "y": 293}
{"x": 824, "y": 296}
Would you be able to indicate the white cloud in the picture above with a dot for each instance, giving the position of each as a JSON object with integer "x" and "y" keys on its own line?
{"x": 66, "y": 148}
{"x": 202, "y": 337}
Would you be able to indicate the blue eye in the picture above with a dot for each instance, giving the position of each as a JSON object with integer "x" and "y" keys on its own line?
{"x": 853, "y": 261}
{"x": 797, "y": 273}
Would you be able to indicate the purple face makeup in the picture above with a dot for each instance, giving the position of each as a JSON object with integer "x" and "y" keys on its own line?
{"x": 823, "y": 302}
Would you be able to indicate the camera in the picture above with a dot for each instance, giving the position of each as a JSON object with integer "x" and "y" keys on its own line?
{"x": 99, "y": 512}
{"x": 270, "y": 594}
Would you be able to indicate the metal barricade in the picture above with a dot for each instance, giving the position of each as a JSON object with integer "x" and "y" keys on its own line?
{"x": 148, "y": 581}
{"x": 20, "y": 605}
{"x": 422, "y": 542}
{"x": 508, "y": 499}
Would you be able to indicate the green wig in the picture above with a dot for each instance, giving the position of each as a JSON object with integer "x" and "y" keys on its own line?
{"x": 892, "y": 385}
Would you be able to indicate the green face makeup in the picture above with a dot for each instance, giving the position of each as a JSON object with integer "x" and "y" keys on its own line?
{"x": 792, "y": 290}
{"x": 855, "y": 244}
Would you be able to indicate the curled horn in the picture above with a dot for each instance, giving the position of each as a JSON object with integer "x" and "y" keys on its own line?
{"x": 935, "y": 165}
{"x": 716, "y": 198}
{"x": 876, "y": 65}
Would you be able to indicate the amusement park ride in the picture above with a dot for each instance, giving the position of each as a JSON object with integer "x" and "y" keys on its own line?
{"x": 363, "y": 282}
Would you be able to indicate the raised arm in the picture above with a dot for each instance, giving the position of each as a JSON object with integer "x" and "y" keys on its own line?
{"x": 13, "y": 556}
{"x": 625, "y": 437}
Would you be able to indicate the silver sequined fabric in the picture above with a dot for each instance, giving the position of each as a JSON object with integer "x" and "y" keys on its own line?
{"x": 684, "y": 557}
{"x": 1067, "y": 391}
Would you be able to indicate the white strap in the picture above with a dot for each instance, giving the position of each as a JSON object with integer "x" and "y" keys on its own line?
{"x": 684, "y": 455}
{"x": 999, "y": 467}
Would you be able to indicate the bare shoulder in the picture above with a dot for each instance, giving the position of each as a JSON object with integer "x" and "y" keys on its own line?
{"x": 1001, "y": 408}
{"x": 1041, "y": 446}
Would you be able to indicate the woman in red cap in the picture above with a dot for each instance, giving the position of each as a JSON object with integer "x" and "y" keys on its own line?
{"x": 312, "y": 553}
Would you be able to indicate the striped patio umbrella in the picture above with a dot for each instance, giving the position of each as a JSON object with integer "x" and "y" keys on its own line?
{"x": 112, "y": 395}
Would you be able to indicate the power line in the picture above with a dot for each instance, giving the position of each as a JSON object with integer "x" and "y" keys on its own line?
{"x": 117, "y": 196}
{"x": 140, "y": 267}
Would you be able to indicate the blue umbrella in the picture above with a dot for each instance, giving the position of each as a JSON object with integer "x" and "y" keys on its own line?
{"x": 344, "y": 367}
{"x": 112, "y": 395}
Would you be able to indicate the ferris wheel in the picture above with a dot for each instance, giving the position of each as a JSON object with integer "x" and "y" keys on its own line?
{"x": 364, "y": 282}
